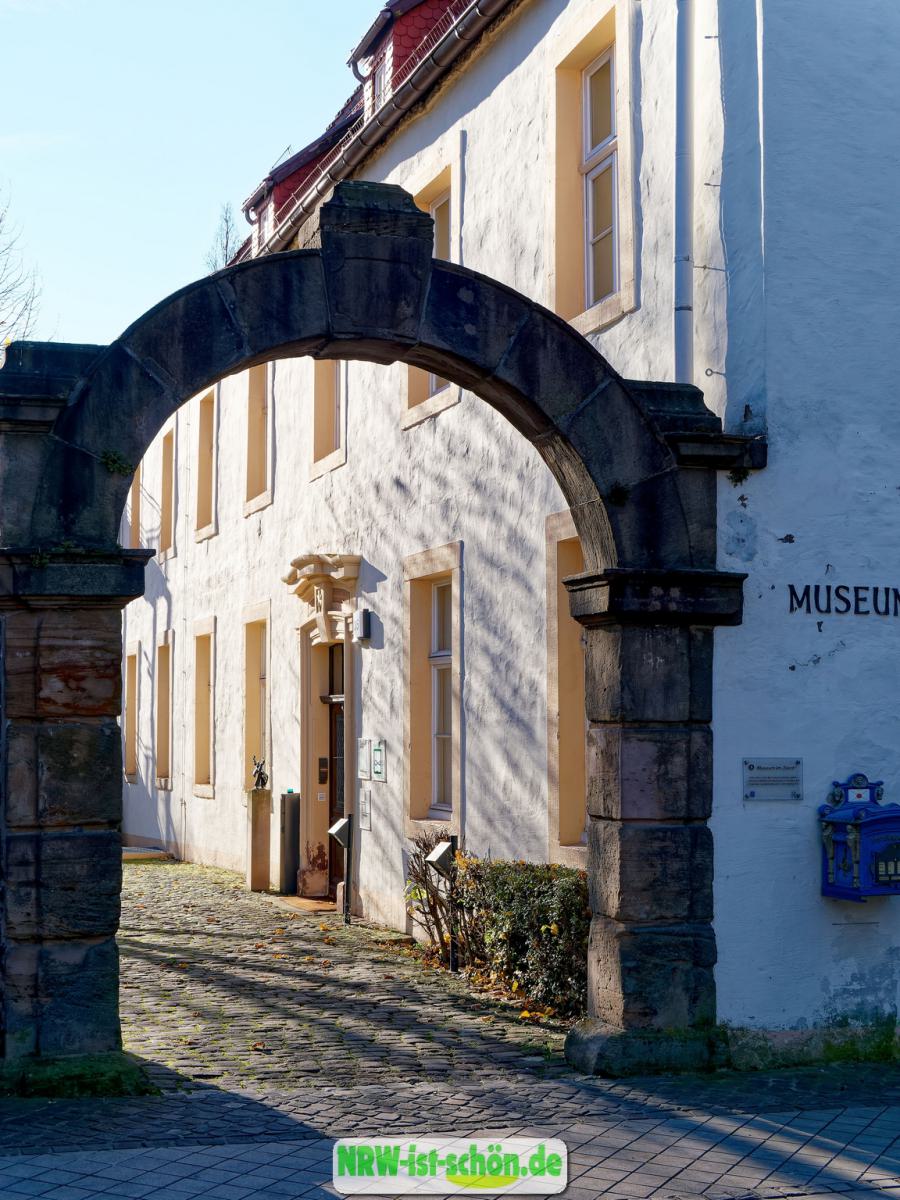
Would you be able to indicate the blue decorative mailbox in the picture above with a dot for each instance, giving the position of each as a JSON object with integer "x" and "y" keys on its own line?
{"x": 860, "y": 841}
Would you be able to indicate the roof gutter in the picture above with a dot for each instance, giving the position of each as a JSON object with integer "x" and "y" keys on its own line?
{"x": 467, "y": 30}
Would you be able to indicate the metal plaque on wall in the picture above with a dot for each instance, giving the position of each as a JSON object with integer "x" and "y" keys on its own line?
{"x": 379, "y": 760}
{"x": 365, "y": 809}
{"x": 773, "y": 778}
{"x": 364, "y": 758}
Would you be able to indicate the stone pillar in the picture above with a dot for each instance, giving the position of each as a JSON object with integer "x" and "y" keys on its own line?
{"x": 648, "y": 692}
{"x": 259, "y": 839}
{"x": 61, "y": 799}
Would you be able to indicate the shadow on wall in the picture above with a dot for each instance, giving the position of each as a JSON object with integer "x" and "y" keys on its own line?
{"x": 741, "y": 217}
{"x": 404, "y": 510}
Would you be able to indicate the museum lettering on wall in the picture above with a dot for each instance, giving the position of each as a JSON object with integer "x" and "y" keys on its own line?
{"x": 844, "y": 599}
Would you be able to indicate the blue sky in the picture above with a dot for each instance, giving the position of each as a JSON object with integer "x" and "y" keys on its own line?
{"x": 125, "y": 124}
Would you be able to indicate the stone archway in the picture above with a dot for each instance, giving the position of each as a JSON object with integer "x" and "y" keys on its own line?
{"x": 637, "y": 466}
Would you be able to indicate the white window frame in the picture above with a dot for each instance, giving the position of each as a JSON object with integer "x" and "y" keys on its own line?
{"x": 441, "y": 661}
{"x": 595, "y": 160}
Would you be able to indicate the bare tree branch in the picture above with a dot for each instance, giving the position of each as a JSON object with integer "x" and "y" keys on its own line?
{"x": 226, "y": 243}
{"x": 20, "y": 290}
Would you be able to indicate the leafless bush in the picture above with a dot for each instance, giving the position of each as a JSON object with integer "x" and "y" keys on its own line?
{"x": 226, "y": 242}
{"x": 19, "y": 286}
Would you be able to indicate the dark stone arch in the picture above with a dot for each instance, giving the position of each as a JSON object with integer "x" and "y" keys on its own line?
{"x": 649, "y": 599}
{"x": 374, "y": 292}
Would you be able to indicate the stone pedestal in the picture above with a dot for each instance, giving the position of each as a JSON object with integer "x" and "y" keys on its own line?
{"x": 259, "y": 839}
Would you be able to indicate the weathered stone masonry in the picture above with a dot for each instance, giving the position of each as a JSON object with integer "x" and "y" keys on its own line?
{"x": 637, "y": 466}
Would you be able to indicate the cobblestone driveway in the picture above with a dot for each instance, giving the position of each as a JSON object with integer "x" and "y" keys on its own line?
{"x": 269, "y": 1035}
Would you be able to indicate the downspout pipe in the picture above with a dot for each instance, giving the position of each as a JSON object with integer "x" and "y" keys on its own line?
{"x": 683, "y": 207}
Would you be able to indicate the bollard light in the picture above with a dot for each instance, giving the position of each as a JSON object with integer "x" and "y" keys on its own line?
{"x": 443, "y": 860}
{"x": 442, "y": 857}
{"x": 340, "y": 831}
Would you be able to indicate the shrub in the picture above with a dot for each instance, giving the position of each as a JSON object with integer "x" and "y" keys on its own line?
{"x": 526, "y": 922}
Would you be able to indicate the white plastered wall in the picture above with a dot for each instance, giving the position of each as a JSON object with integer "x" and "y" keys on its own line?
{"x": 795, "y": 249}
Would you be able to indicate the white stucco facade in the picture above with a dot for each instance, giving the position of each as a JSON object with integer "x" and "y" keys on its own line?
{"x": 795, "y": 267}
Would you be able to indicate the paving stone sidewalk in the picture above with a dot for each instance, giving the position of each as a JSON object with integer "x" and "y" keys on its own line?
{"x": 270, "y": 1033}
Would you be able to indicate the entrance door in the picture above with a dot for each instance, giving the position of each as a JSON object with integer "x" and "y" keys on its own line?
{"x": 335, "y": 792}
{"x": 335, "y": 760}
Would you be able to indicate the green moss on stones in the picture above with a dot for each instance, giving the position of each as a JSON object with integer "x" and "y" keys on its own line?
{"x": 116, "y": 463}
{"x": 94, "y": 1075}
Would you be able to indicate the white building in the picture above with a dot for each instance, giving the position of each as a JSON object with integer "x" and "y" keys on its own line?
{"x": 702, "y": 189}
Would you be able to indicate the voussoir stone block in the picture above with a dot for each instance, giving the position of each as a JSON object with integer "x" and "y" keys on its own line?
{"x": 651, "y": 976}
{"x": 650, "y": 772}
{"x": 63, "y": 884}
{"x": 61, "y": 998}
{"x": 653, "y": 873}
{"x": 64, "y": 774}
{"x": 470, "y": 320}
{"x": 279, "y": 301}
{"x": 190, "y": 340}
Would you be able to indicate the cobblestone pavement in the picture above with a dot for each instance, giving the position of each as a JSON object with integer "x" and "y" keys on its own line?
{"x": 271, "y": 1033}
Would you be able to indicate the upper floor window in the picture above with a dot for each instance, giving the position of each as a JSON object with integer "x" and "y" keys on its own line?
{"x": 592, "y": 277}
{"x": 329, "y": 413}
{"x": 440, "y": 214}
{"x": 427, "y": 392}
{"x": 206, "y": 457}
{"x": 258, "y": 388}
{"x": 167, "y": 498}
{"x": 599, "y": 169}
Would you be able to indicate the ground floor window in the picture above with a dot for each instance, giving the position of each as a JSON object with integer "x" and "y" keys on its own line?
{"x": 204, "y": 707}
{"x": 256, "y": 697}
{"x": 432, "y": 684}
{"x": 164, "y": 710}
{"x": 566, "y": 723}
